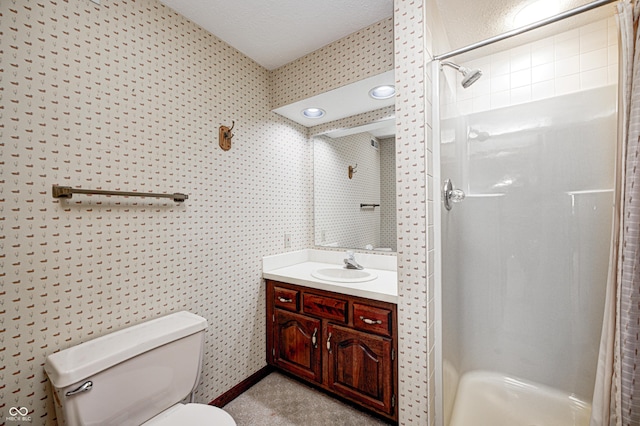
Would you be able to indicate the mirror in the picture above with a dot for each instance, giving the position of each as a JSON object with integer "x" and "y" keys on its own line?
{"x": 354, "y": 190}
{"x": 342, "y": 138}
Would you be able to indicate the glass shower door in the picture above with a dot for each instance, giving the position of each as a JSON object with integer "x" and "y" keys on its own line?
{"x": 525, "y": 256}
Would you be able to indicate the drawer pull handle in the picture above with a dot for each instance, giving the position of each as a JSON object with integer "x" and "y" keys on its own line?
{"x": 284, "y": 300}
{"x": 370, "y": 321}
{"x": 329, "y": 343}
{"x": 314, "y": 340}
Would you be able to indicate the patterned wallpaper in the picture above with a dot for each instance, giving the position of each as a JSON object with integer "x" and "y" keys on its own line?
{"x": 414, "y": 196}
{"x": 368, "y": 117}
{"x": 388, "y": 232}
{"x": 129, "y": 95}
{"x": 339, "y": 220}
{"x": 363, "y": 54}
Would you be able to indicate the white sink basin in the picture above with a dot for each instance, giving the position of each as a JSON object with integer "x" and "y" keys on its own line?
{"x": 343, "y": 275}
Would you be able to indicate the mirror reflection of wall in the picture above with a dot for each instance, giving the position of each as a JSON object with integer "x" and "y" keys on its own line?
{"x": 352, "y": 109}
{"x": 340, "y": 221}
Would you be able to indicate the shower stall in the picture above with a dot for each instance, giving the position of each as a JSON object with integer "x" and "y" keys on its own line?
{"x": 525, "y": 228}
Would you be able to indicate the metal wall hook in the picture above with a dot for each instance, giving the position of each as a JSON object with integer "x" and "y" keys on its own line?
{"x": 228, "y": 133}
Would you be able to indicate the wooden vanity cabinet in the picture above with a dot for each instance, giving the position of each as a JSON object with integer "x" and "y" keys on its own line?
{"x": 360, "y": 367}
{"x": 296, "y": 344}
{"x": 343, "y": 344}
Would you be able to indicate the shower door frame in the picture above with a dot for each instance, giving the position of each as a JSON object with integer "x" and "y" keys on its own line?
{"x": 437, "y": 240}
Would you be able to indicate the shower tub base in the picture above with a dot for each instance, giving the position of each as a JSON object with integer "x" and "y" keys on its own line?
{"x": 492, "y": 399}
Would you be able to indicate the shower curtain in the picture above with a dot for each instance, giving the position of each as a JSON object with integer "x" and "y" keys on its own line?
{"x": 616, "y": 400}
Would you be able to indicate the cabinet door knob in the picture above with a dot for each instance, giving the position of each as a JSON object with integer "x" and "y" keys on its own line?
{"x": 284, "y": 300}
{"x": 329, "y": 343}
{"x": 314, "y": 340}
{"x": 370, "y": 321}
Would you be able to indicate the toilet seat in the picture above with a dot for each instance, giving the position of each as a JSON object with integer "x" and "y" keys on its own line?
{"x": 192, "y": 415}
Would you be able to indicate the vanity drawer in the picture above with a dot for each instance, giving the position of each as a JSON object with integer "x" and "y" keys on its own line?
{"x": 286, "y": 298}
{"x": 325, "y": 307}
{"x": 372, "y": 319}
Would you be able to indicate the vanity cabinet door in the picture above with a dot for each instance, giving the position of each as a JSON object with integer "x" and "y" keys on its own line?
{"x": 360, "y": 367}
{"x": 297, "y": 344}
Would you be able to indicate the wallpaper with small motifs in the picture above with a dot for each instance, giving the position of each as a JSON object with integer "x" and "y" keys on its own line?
{"x": 363, "y": 54}
{"x": 386, "y": 113}
{"x": 339, "y": 219}
{"x": 388, "y": 233}
{"x": 128, "y": 95}
{"x": 414, "y": 194}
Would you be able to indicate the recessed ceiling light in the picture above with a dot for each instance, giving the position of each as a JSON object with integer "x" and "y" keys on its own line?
{"x": 535, "y": 11}
{"x": 313, "y": 112}
{"x": 382, "y": 92}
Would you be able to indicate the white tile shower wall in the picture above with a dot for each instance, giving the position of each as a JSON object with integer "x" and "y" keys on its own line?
{"x": 388, "y": 231}
{"x": 128, "y": 95}
{"x": 580, "y": 59}
{"x": 338, "y": 217}
{"x": 412, "y": 197}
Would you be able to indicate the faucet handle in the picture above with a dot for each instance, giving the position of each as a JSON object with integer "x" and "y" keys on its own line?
{"x": 350, "y": 262}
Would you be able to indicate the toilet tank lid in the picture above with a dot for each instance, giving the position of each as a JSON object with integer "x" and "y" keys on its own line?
{"x": 80, "y": 362}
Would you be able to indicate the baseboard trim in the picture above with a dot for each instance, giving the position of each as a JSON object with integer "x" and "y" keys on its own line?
{"x": 241, "y": 387}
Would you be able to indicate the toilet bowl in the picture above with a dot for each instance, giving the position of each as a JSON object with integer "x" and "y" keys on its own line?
{"x": 135, "y": 376}
{"x": 192, "y": 415}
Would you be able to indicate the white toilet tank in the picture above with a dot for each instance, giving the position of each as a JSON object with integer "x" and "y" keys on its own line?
{"x": 129, "y": 375}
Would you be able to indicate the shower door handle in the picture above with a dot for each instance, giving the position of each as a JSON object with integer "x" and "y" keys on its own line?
{"x": 451, "y": 195}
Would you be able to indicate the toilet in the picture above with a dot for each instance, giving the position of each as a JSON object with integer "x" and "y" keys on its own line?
{"x": 136, "y": 376}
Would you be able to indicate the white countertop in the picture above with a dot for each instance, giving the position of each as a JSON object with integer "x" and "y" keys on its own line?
{"x": 296, "y": 268}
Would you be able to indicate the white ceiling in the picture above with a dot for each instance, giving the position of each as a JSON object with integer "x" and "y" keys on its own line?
{"x": 274, "y": 33}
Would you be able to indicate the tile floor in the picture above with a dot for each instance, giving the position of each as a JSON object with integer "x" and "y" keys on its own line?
{"x": 278, "y": 400}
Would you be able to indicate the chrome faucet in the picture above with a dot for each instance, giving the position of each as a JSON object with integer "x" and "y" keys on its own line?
{"x": 350, "y": 261}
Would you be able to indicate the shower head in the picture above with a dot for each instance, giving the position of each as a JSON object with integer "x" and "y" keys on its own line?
{"x": 469, "y": 76}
